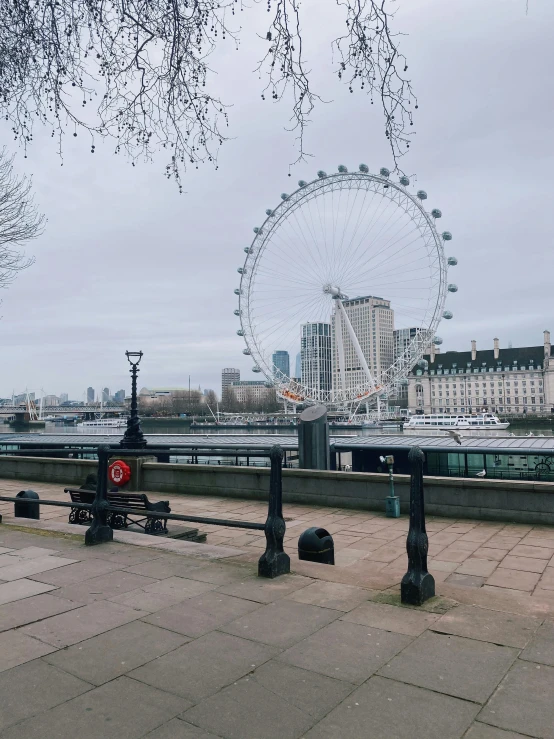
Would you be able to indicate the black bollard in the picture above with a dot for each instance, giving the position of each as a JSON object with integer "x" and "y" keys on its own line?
{"x": 99, "y": 531}
{"x": 274, "y": 561}
{"x": 25, "y": 506}
{"x": 417, "y": 584}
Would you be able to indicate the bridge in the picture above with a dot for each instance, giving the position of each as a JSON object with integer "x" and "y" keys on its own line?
{"x": 62, "y": 410}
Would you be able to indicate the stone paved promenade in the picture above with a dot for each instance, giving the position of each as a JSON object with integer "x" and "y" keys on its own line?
{"x": 173, "y": 640}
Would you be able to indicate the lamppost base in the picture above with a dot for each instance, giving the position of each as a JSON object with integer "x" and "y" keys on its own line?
{"x": 274, "y": 566}
{"x": 98, "y": 535}
{"x": 415, "y": 590}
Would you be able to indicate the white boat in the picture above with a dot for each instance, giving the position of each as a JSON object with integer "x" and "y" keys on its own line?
{"x": 444, "y": 421}
{"x": 106, "y": 423}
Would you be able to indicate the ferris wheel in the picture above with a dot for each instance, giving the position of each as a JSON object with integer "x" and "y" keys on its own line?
{"x": 347, "y": 277}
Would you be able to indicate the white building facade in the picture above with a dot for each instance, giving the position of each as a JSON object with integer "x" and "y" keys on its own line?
{"x": 373, "y": 322}
{"x": 504, "y": 381}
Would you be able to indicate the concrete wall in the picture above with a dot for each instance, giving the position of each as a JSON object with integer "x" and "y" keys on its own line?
{"x": 500, "y": 500}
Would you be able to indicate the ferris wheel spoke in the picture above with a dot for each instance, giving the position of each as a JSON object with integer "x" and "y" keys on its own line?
{"x": 366, "y": 265}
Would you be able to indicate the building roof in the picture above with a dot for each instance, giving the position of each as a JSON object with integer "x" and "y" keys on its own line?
{"x": 526, "y": 356}
{"x": 471, "y": 444}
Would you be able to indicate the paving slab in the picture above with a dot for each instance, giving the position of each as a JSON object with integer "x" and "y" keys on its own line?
{"x": 465, "y": 581}
{"x": 477, "y": 566}
{"x": 20, "y": 589}
{"x": 27, "y": 567}
{"x": 281, "y": 624}
{"x": 333, "y": 595}
{"x": 463, "y": 668}
{"x": 262, "y": 590}
{"x": 33, "y": 552}
{"x": 312, "y": 693}
{"x": 541, "y": 648}
{"x": 82, "y": 623}
{"x": 178, "y": 729}
{"x": 513, "y": 579}
{"x": 204, "y": 666}
{"x": 386, "y": 709}
{"x": 346, "y": 651}
{"x": 523, "y": 702}
{"x": 524, "y": 550}
{"x": 197, "y": 616}
{"x": 76, "y": 573}
{"x": 527, "y": 564}
{"x": 42, "y": 686}
{"x": 496, "y": 627}
{"x": 246, "y": 710}
{"x": 26, "y": 611}
{"x": 17, "y": 648}
{"x": 167, "y": 566}
{"x": 408, "y": 621}
{"x": 104, "y": 586}
{"x": 117, "y": 652}
{"x": 123, "y": 708}
{"x": 487, "y": 552}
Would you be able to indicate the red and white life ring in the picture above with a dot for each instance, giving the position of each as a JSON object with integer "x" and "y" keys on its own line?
{"x": 119, "y": 472}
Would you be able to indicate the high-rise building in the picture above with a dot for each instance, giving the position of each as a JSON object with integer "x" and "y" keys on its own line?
{"x": 372, "y": 319}
{"x": 298, "y": 368}
{"x": 119, "y": 396}
{"x": 315, "y": 356}
{"x": 281, "y": 362}
{"x": 402, "y": 339}
{"x": 90, "y": 395}
{"x": 105, "y": 395}
{"x": 228, "y": 375}
{"x": 64, "y": 397}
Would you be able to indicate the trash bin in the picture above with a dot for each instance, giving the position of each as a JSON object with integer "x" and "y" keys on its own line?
{"x": 25, "y": 507}
{"x": 316, "y": 545}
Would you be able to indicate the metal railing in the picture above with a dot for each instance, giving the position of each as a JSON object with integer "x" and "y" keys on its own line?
{"x": 273, "y": 562}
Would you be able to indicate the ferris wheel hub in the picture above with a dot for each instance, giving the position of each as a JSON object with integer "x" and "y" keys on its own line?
{"x": 334, "y": 291}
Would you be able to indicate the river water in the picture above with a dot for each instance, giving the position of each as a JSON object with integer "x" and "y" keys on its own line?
{"x": 183, "y": 427}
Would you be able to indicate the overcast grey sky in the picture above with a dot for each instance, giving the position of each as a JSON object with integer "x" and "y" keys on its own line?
{"x": 128, "y": 263}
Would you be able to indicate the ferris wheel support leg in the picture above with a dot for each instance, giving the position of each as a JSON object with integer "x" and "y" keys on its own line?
{"x": 340, "y": 347}
{"x": 355, "y": 343}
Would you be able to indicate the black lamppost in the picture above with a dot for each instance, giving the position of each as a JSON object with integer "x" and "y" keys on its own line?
{"x": 133, "y": 438}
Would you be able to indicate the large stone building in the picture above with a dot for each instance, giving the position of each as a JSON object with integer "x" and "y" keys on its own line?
{"x": 315, "y": 359}
{"x": 254, "y": 392}
{"x": 373, "y": 322}
{"x": 513, "y": 380}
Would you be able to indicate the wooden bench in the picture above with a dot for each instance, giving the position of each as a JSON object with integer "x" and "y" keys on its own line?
{"x": 136, "y": 501}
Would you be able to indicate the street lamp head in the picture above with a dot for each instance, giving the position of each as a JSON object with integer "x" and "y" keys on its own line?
{"x": 134, "y": 357}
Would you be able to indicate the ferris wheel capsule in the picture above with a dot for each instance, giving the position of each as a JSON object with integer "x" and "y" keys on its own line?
{"x": 236, "y": 312}
{"x": 384, "y": 172}
{"x": 284, "y": 196}
{"x": 302, "y": 183}
{"x": 447, "y": 314}
{"x": 269, "y": 212}
{"x": 447, "y": 236}
{"x": 321, "y": 174}
{"x": 342, "y": 169}
{"x": 437, "y": 340}
{"x": 248, "y": 250}
{"x": 256, "y": 369}
{"x": 452, "y": 288}
{"x": 257, "y": 230}
{"x": 405, "y": 181}
{"x": 436, "y": 213}
{"x": 237, "y": 291}
{"x": 452, "y": 261}
{"x": 246, "y": 351}
{"x": 363, "y": 168}
{"x": 241, "y": 270}
{"x": 422, "y": 195}
{"x": 240, "y": 332}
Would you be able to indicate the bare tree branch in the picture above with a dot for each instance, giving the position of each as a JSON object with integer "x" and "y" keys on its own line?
{"x": 137, "y": 71}
{"x": 20, "y": 220}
